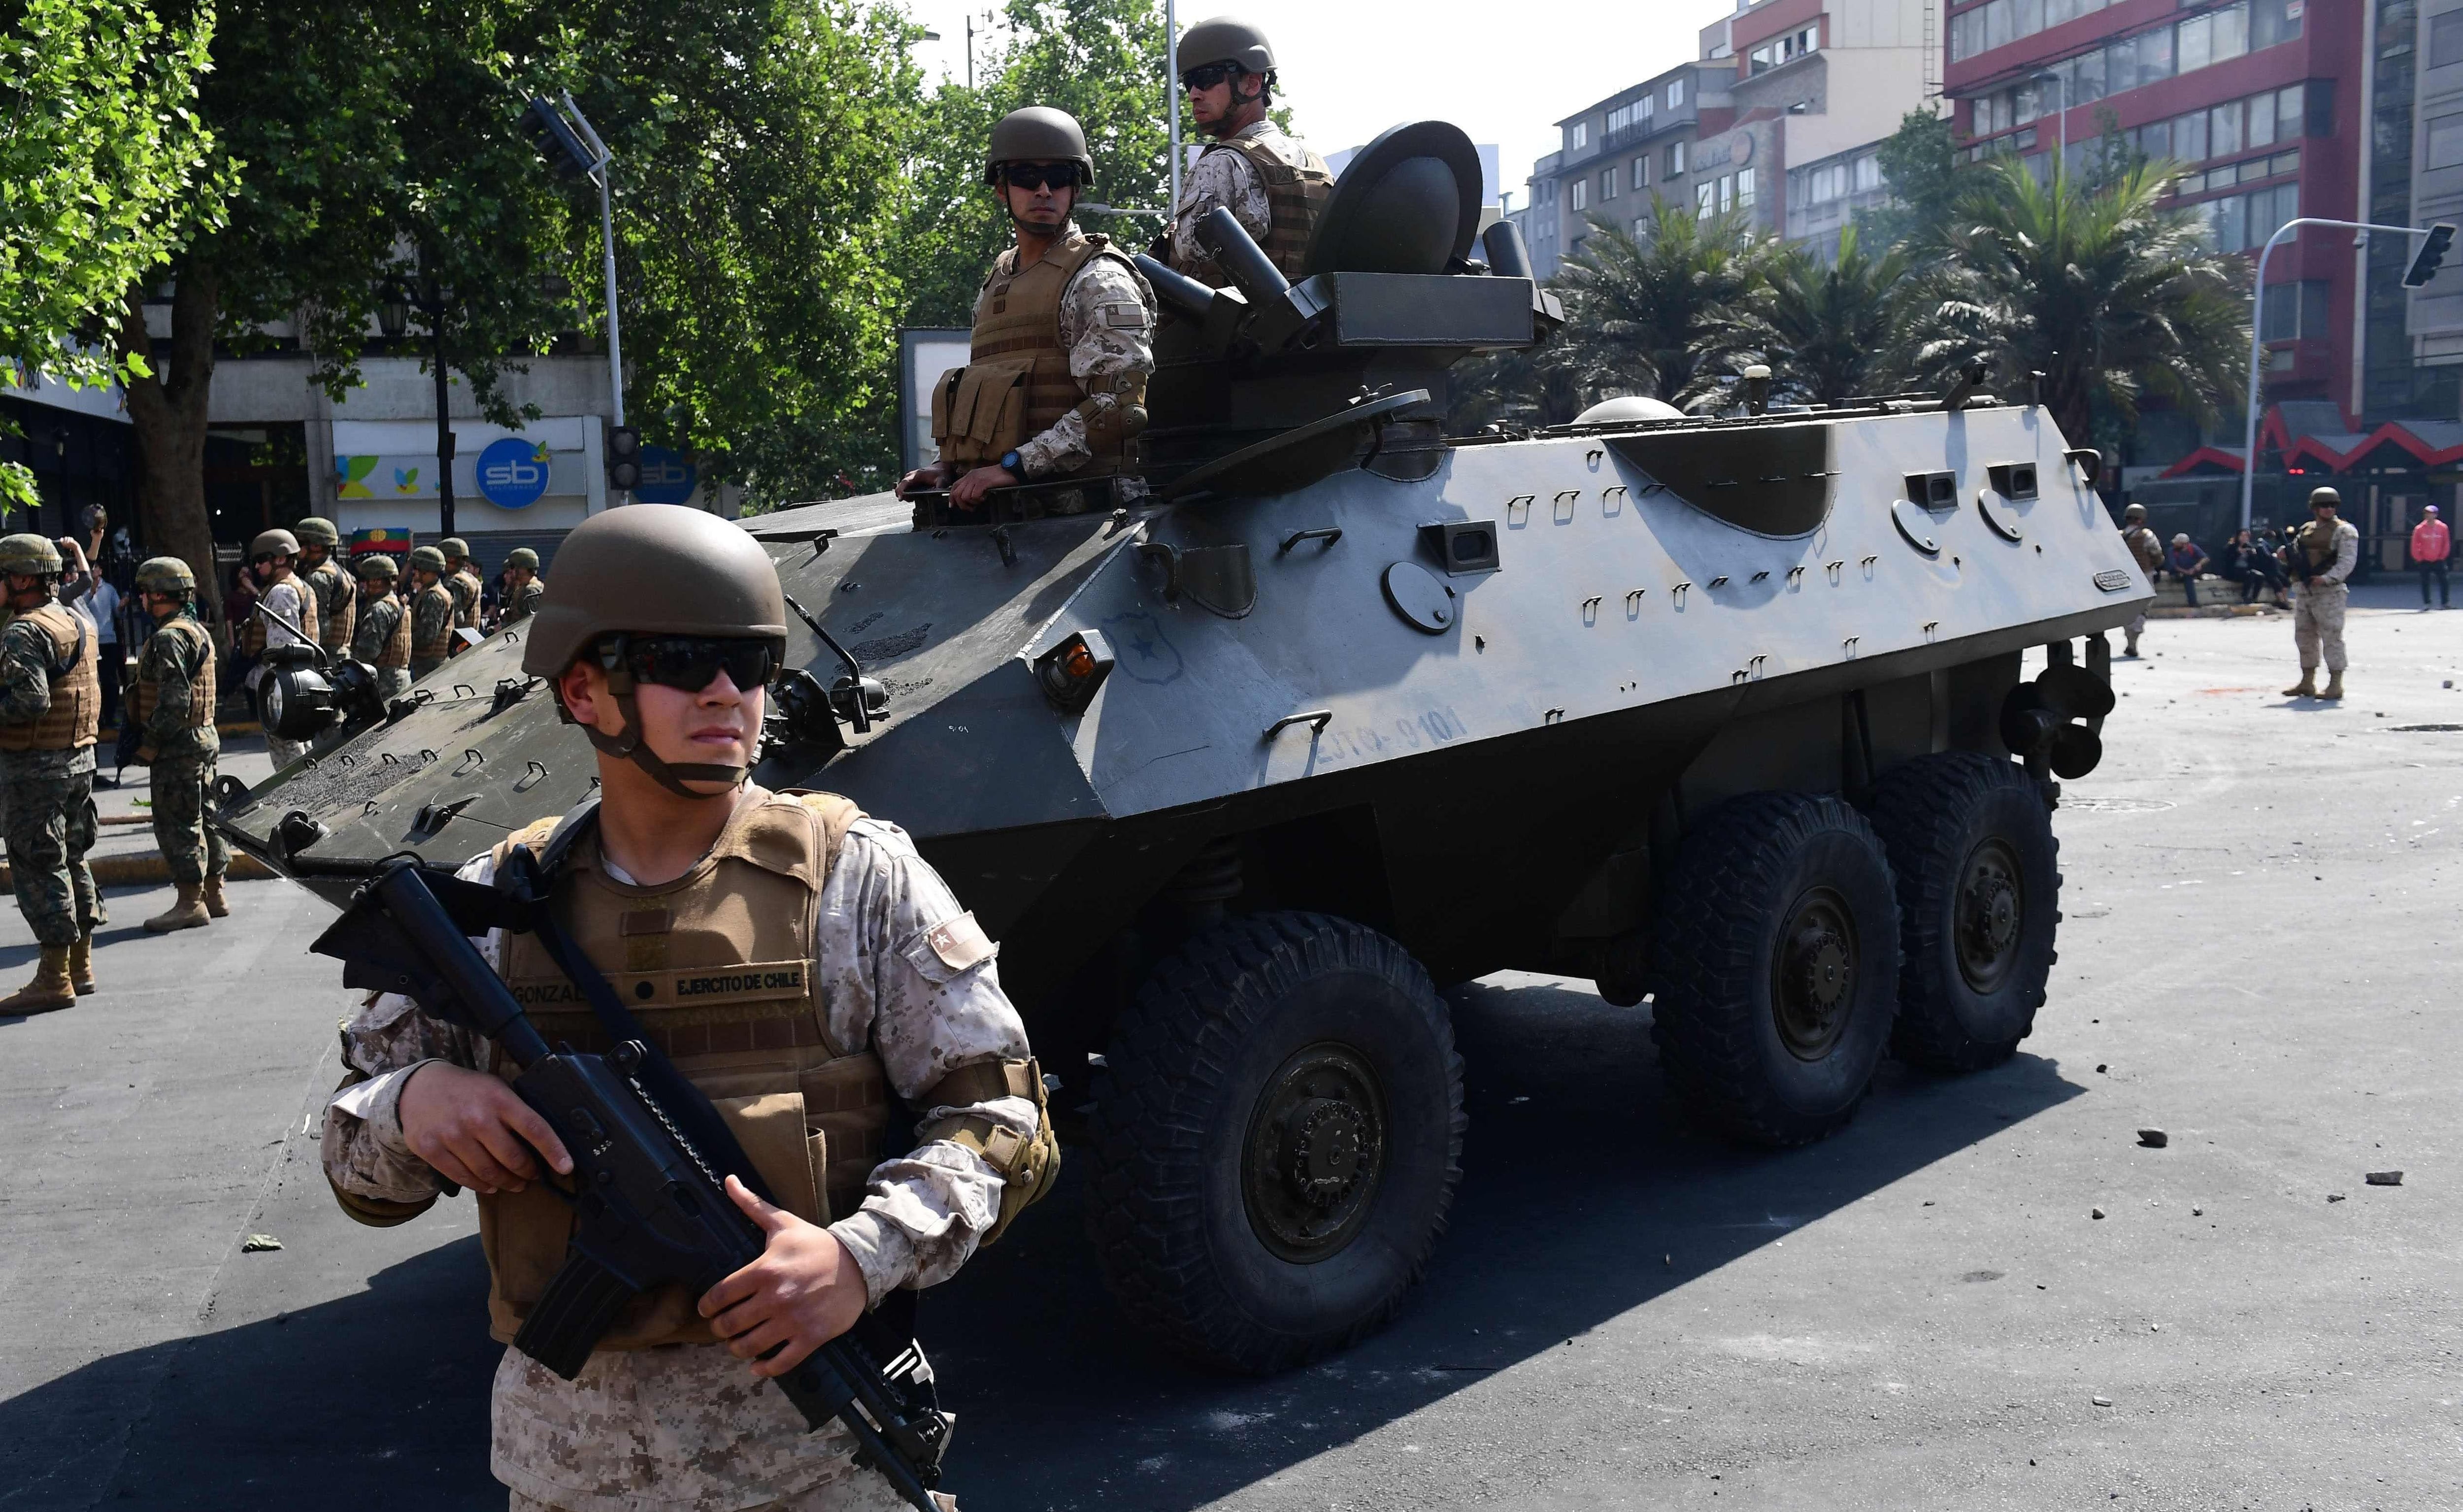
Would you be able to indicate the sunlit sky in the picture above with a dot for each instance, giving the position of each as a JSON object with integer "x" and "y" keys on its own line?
{"x": 1504, "y": 73}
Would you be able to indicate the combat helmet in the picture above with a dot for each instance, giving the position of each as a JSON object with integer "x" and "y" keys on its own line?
{"x": 453, "y": 548}
{"x": 653, "y": 570}
{"x": 26, "y": 554}
{"x": 1038, "y": 134}
{"x": 1226, "y": 39}
{"x": 376, "y": 564}
{"x": 522, "y": 556}
{"x": 165, "y": 574}
{"x": 273, "y": 543}
{"x": 427, "y": 559}
{"x": 2319, "y": 496}
{"x": 316, "y": 530}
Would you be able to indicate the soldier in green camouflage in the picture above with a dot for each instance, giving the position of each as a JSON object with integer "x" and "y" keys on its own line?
{"x": 523, "y": 588}
{"x": 431, "y": 611}
{"x": 336, "y": 590}
{"x": 50, "y": 705}
{"x": 173, "y": 705}
{"x": 382, "y": 637}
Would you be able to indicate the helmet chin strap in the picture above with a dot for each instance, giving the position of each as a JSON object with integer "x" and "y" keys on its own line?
{"x": 630, "y": 746}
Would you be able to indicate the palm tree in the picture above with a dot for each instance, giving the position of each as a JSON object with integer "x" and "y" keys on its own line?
{"x": 1638, "y": 302}
{"x": 1827, "y": 332}
{"x": 2107, "y": 293}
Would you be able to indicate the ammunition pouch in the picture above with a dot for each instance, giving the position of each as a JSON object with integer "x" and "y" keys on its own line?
{"x": 979, "y": 410}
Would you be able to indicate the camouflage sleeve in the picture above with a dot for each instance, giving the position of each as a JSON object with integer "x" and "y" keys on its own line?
{"x": 933, "y": 1008}
{"x": 162, "y": 664}
{"x": 1107, "y": 322}
{"x": 431, "y": 616}
{"x": 2348, "y": 552}
{"x": 384, "y": 1041}
{"x": 375, "y": 628}
{"x": 283, "y": 599}
{"x": 1223, "y": 178}
{"x": 25, "y": 673}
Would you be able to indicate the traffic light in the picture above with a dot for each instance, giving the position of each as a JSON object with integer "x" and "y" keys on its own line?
{"x": 624, "y": 459}
{"x": 556, "y": 138}
{"x": 2433, "y": 253}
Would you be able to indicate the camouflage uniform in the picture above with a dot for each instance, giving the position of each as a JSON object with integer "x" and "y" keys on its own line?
{"x": 688, "y": 1426}
{"x": 1228, "y": 179}
{"x": 1107, "y": 324}
{"x": 520, "y": 603}
{"x": 378, "y": 618}
{"x": 284, "y": 597}
{"x": 182, "y": 756}
{"x": 2318, "y": 604}
{"x": 50, "y": 819}
{"x": 336, "y": 600}
{"x": 431, "y": 618}
{"x": 468, "y": 594}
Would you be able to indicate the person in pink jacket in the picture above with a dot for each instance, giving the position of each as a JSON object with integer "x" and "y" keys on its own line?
{"x": 2432, "y": 545}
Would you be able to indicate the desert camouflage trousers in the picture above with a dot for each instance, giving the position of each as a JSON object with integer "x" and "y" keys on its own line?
{"x": 2318, "y": 624}
{"x": 183, "y": 793}
{"x": 50, "y": 828}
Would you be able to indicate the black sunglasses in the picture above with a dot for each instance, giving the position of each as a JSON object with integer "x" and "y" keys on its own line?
{"x": 1208, "y": 75}
{"x": 693, "y": 662}
{"x": 1036, "y": 175}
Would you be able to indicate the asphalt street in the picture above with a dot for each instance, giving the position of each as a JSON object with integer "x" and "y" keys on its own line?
{"x": 1924, "y": 1312}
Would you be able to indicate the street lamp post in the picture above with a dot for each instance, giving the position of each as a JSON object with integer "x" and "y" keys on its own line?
{"x": 2258, "y": 332}
{"x": 587, "y": 157}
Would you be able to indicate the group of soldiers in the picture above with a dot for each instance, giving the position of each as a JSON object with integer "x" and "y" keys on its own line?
{"x": 2318, "y": 557}
{"x": 51, "y": 699}
{"x": 1055, "y": 383}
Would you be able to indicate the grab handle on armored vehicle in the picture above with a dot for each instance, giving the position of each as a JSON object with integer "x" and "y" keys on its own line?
{"x": 858, "y": 713}
{"x": 1252, "y": 272}
{"x": 2088, "y": 461}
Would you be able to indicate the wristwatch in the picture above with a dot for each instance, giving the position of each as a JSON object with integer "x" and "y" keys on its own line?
{"x": 1013, "y": 465}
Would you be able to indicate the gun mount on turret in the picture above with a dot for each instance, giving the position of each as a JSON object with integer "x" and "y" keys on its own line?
{"x": 1725, "y": 710}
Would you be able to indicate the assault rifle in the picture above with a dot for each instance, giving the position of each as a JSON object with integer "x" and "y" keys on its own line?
{"x": 649, "y": 1160}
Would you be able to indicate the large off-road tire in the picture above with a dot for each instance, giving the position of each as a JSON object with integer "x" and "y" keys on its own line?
{"x": 1979, "y": 902}
{"x": 1276, "y": 1139}
{"x": 1777, "y": 965}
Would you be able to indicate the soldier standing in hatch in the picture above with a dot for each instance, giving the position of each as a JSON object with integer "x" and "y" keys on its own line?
{"x": 286, "y": 615}
{"x": 2321, "y": 556}
{"x": 2148, "y": 551}
{"x": 1271, "y": 182}
{"x": 686, "y": 871}
{"x": 50, "y": 705}
{"x": 461, "y": 580}
{"x": 337, "y": 593}
{"x": 382, "y": 637}
{"x": 523, "y": 588}
{"x": 431, "y": 611}
{"x": 173, "y": 703}
{"x": 1055, "y": 384}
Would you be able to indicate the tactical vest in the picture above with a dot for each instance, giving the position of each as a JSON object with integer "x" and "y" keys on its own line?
{"x": 1295, "y": 193}
{"x": 467, "y": 589}
{"x": 1016, "y": 382}
{"x": 520, "y": 602}
{"x": 395, "y": 652}
{"x": 252, "y": 640}
{"x": 2143, "y": 543}
{"x": 438, "y": 649}
{"x": 718, "y": 966}
{"x": 196, "y": 650}
{"x": 2317, "y": 542}
{"x": 76, "y": 686}
{"x": 337, "y": 605}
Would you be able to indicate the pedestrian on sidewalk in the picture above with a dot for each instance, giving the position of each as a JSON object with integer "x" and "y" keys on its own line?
{"x": 173, "y": 703}
{"x": 2186, "y": 562}
{"x": 2149, "y": 553}
{"x": 2432, "y": 545}
{"x": 102, "y": 610}
{"x": 2320, "y": 558}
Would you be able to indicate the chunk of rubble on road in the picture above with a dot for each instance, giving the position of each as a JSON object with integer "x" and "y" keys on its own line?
{"x": 2153, "y": 1139}
{"x": 2384, "y": 1178}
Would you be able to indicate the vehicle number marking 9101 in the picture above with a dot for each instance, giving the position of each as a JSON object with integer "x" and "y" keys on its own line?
{"x": 1412, "y": 732}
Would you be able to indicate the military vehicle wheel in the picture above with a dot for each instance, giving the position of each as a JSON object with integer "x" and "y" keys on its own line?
{"x": 1277, "y": 1137}
{"x": 1979, "y": 900}
{"x": 1776, "y": 965}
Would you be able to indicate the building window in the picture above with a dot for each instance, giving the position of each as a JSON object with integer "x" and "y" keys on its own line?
{"x": 1868, "y": 174}
{"x": 1782, "y": 50}
{"x": 2446, "y": 137}
{"x": 2223, "y": 128}
{"x": 1703, "y": 193}
{"x": 2146, "y": 57}
{"x": 1581, "y": 193}
{"x": 1607, "y": 184}
{"x": 2446, "y": 39}
{"x": 1642, "y": 172}
{"x": 1727, "y": 192}
{"x": 1636, "y": 112}
{"x": 2295, "y": 310}
{"x": 1744, "y": 189}
{"x": 1676, "y": 160}
{"x": 1675, "y": 94}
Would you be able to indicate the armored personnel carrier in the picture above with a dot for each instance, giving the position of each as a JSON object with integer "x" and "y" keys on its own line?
{"x": 1725, "y": 710}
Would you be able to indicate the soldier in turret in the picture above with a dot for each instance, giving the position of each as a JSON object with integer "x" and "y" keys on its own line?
{"x": 1056, "y": 383}
{"x": 50, "y": 705}
{"x": 173, "y": 704}
{"x": 382, "y": 637}
{"x": 1271, "y": 182}
{"x": 337, "y": 595}
{"x": 431, "y": 611}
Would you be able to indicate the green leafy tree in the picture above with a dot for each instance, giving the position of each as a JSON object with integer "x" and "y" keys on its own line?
{"x": 102, "y": 156}
{"x": 1827, "y": 331}
{"x": 1921, "y": 163}
{"x": 1638, "y": 305}
{"x": 2110, "y": 296}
